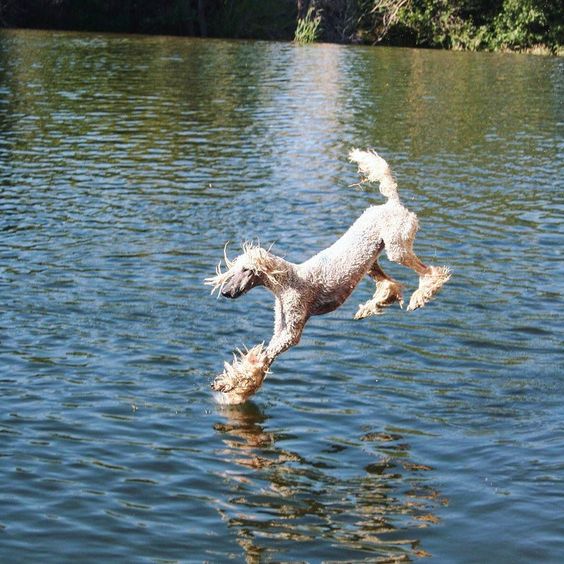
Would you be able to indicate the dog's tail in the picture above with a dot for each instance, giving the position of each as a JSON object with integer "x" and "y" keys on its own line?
{"x": 374, "y": 168}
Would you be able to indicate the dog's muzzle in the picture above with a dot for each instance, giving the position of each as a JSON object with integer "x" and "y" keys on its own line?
{"x": 239, "y": 284}
{"x": 231, "y": 294}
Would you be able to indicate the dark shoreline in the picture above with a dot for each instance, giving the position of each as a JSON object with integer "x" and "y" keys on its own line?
{"x": 536, "y": 51}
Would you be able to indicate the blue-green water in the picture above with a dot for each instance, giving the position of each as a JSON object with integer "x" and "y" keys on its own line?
{"x": 127, "y": 162}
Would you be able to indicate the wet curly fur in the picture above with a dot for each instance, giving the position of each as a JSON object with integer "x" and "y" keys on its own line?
{"x": 323, "y": 283}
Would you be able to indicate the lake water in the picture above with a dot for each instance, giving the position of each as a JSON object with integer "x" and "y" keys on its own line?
{"x": 125, "y": 165}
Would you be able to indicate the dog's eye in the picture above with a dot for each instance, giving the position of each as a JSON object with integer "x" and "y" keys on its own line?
{"x": 245, "y": 269}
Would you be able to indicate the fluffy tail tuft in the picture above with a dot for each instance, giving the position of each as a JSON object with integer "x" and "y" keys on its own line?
{"x": 375, "y": 169}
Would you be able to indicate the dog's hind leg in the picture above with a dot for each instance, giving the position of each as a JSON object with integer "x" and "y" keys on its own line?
{"x": 388, "y": 291}
{"x": 431, "y": 279}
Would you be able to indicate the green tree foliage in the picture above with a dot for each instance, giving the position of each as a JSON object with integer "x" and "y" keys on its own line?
{"x": 526, "y": 23}
{"x": 454, "y": 24}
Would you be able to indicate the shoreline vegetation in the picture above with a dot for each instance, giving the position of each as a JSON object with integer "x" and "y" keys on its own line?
{"x": 531, "y": 26}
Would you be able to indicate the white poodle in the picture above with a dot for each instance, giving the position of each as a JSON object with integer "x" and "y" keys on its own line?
{"x": 323, "y": 283}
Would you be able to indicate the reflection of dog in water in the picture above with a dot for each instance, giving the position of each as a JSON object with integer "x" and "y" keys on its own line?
{"x": 281, "y": 489}
{"x": 323, "y": 283}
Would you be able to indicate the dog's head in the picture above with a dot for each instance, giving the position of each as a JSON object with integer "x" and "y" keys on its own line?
{"x": 254, "y": 267}
{"x": 242, "y": 278}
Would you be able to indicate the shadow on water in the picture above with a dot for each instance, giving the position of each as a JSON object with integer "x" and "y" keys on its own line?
{"x": 283, "y": 502}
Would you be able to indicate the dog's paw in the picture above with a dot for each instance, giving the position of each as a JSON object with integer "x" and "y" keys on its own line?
{"x": 387, "y": 293}
{"x": 429, "y": 285}
{"x": 418, "y": 299}
{"x": 243, "y": 377}
{"x": 371, "y": 307}
{"x": 222, "y": 383}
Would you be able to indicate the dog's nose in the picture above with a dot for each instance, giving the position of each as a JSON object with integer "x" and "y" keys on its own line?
{"x": 227, "y": 293}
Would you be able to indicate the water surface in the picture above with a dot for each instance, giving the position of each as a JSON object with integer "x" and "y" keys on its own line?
{"x": 127, "y": 162}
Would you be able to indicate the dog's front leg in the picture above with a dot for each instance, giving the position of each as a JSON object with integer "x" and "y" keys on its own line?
{"x": 245, "y": 375}
{"x": 288, "y": 327}
{"x": 282, "y": 341}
